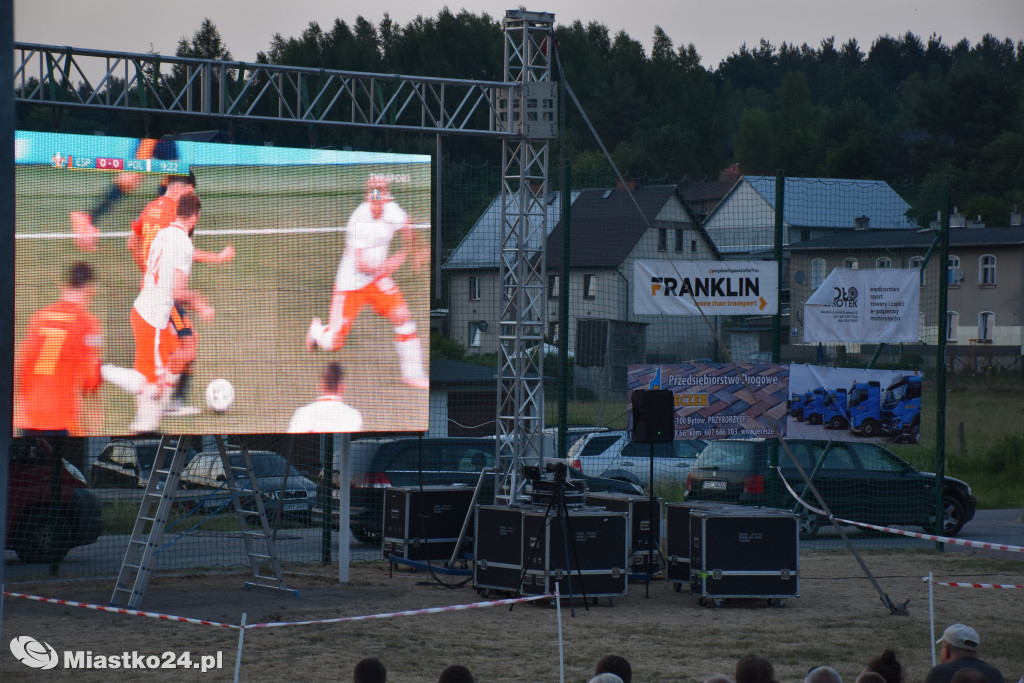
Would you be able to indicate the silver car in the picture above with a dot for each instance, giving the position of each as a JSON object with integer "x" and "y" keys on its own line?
{"x": 614, "y": 455}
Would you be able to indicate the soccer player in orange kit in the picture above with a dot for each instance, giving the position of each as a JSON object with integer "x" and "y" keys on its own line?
{"x": 58, "y": 365}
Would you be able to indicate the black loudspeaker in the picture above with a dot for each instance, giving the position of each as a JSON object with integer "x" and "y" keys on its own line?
{"x": 653, "y": 415}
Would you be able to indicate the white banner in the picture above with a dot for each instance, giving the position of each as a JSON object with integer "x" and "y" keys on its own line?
{"x": 869, "y": 306}
{"x": 716, "y": 287}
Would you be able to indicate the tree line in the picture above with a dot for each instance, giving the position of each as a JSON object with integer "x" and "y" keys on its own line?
{"x": 903, "y": 109}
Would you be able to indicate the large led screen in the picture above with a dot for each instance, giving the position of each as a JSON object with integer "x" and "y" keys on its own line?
{"x": 298, "y": 303}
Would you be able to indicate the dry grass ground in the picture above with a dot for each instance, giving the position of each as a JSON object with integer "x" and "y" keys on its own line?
{"x": 837, "y": 620}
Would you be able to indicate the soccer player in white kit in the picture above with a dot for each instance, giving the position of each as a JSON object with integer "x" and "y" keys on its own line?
{"x": 154, "y": 317}
{"x": 328, "y": 414}
{"x": 364, "y": 278}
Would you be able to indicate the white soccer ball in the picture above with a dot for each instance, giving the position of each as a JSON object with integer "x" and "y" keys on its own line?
{"x": 220, "y": 395}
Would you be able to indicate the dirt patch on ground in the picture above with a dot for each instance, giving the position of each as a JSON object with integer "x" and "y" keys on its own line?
{"x": 838, "y": 619}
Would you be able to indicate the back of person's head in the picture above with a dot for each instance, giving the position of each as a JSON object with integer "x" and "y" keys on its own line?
{"x": 754, "y": 669}
{"x": 369, "y": 670}
{"x": 456, "y": 673}
{"x": 961, "y": 639}
{"x": 887, "y": 666}
{"x": 614, "y": 664}
{"x": 606, "y": 677}
{"x": 79, "y": 275}
{"x": 969, "y": 675}
{"x": 870, "y": 677}
{"x": 332, "y": 377}
{"x": 823, "y": 674}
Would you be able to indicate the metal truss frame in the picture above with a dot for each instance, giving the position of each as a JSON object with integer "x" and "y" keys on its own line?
{"x": 524, "y": 191}
{"x": 152, "y": 84}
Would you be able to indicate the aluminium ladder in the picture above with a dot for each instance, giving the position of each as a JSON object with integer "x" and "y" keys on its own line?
{"x": 157, "y": 500}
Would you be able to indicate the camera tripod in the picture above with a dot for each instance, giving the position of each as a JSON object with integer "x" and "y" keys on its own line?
{"x": 557, "y": 509}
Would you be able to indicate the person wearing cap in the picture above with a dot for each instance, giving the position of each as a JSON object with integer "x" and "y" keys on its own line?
{"x": 960, "y": 646}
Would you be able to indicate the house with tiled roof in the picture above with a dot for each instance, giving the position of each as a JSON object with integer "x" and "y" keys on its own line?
{"x": 610, "y": 228}
{"x": 984, "y": 281}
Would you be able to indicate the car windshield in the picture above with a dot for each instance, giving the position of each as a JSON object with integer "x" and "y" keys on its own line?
{"x": 267, "y": 466}
{"x": 728, "y": 455}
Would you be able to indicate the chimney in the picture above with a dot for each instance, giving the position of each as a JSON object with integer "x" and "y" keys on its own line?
{"x": 624, "y": 183}
{"x": 861, "y": 223}
{"x": 956, "y": 219}
{"x": 1016, "y": 217}
{"x": 976, "y": 223}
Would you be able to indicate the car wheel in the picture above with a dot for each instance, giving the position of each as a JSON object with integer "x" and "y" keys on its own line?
{"x": 870, "y": 428}
{"x": 953, "y": 516}
{"x": 837, "y": 422}
{"x": 808, "y": 525}
{"x": 41, "y": 537}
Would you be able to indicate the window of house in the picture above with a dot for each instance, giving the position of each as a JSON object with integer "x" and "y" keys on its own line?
{"x": 474, "y": 288}
{"x": 953, "y": 273}
{"x": 918, "y": 262}
{"x": 987, "y": 270}
{"x": 662, "y": 239}
{"x": 952, "y": 323}
{"x": 986, "y": 324}
{"x": 693, "y": 245}
{"x": 679, "y": 240}
{"x": 589, "y": 286}
{"x": 805, "y": 235}
{"x": 883, "y": 262}
{"x": 817, "y": 272}
{"x": 553, "y": 333}
{"x": 851, "y": 263}
{"x": 476, "y": 333}
{"x": 554, "y": 286}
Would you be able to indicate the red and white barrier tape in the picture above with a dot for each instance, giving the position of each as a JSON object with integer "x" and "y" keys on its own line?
{"x": 900, "y": 532}
{"x": 407, "y": 613}
{"x": 120, "y": 610}
{"x": 971, "y": 585}
{"x": 204, "y": 622}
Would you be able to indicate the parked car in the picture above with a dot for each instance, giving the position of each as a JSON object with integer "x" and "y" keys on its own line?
{"x": 50, "y": 509}
{"x": 285, "y": 490}
{"x": 126, "y": 463}
{"x": 376, "y": 464}
{"x": 614, "y": 455}
{"x": 859, "y": 481}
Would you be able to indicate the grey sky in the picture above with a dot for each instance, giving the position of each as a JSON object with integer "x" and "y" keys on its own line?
{"x": 717, "y": 29}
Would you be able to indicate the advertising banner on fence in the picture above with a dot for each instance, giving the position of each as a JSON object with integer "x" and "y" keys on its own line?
{"x": 877, "y": 306}
{"x": 720, "y": 401}
{"x": 853, "y": 404}
{"x": 716, "y": 287}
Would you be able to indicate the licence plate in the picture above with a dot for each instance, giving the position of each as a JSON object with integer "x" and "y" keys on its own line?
{"x": 290, "y": 507}
{"x": 716, "y": 485}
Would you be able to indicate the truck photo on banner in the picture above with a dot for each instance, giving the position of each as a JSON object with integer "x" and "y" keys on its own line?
{"x": 853, "y": 404}
{"x": 874, "y": 306}
{"x": 718, "y": 400}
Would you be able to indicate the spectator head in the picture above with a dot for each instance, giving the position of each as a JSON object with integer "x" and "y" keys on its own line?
{"x": 887, "y": 666}
{"x": 969, "y": 675}
{"x": 614, "y": 664}
{"x": 870, "y": 677}
{"x": 823, "y": 674}
{"x": 606, "y": 678}
{"x": 369, "y": 670}
{"x": 456, "y": 673}
{"x": 959, "y": 641}
{"x": 754, "y": 669}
